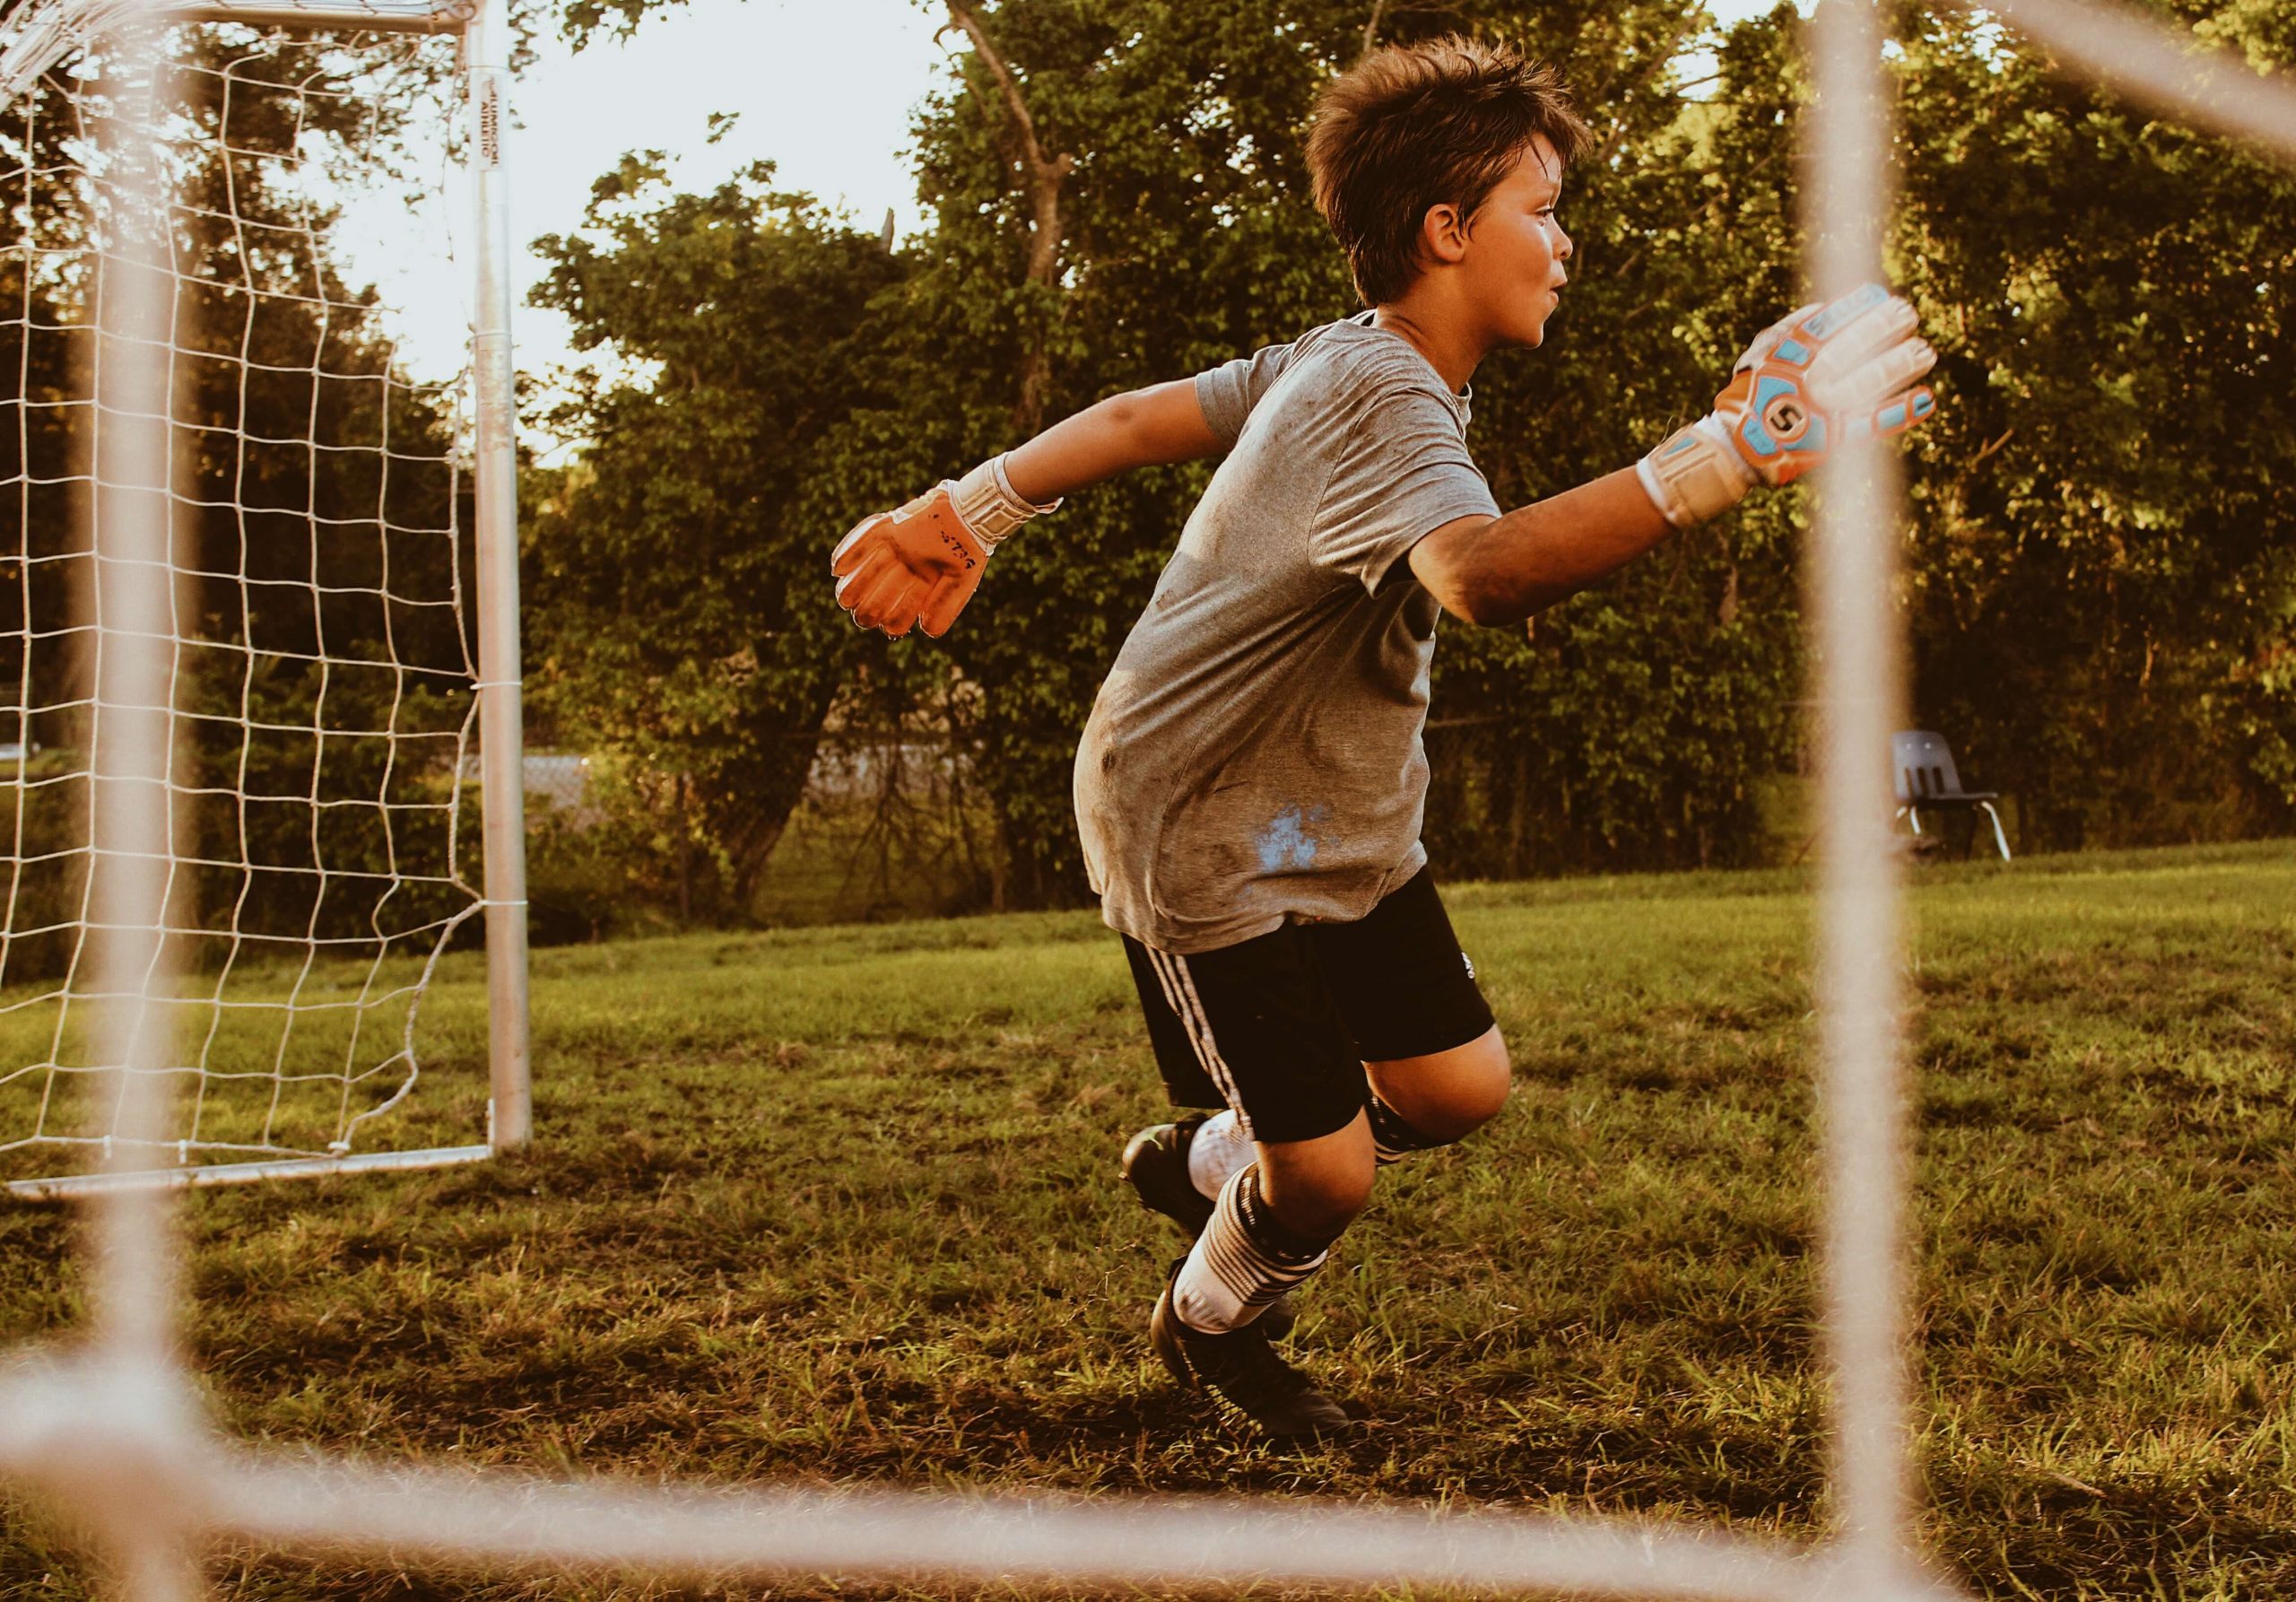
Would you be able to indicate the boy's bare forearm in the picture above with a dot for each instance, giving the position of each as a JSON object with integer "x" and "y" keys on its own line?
{"x": 1504, "y": 570}
{"x": 1140, "y": 428}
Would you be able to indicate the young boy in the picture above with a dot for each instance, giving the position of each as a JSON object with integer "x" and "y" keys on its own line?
{"x": 1250, "y": 784}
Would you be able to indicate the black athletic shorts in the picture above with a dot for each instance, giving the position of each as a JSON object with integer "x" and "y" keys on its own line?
{"x": 1279, "y": 1027}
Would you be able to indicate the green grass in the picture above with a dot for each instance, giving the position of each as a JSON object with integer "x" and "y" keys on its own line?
{"x": 838, "y": 1204}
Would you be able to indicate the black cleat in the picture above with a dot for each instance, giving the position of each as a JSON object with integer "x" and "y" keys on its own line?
{"x": 1243, "y": 1373}
{"x": 1155, "y": 1164}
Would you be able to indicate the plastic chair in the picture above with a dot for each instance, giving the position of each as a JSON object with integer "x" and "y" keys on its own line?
{"x": 1926, "y": 777}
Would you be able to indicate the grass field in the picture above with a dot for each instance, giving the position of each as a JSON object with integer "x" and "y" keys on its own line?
{"x": 839, "y": 1205}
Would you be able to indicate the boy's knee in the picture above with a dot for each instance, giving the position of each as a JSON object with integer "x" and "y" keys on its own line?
{"x": 1318, "y": 1189}
{"x": 1447, "y": 1097}
{"x": 1479, "y": 1093}
{"x": 1324, "y": 1205}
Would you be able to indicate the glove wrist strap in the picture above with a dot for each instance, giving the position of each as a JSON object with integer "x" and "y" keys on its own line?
{"x": 1694, "y": 474}
{"x": 989, "y": 504}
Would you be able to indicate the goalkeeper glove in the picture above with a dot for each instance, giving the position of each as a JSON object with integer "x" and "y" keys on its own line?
{"x": 920, "y": 564}
{"x": 1820, "y": 376}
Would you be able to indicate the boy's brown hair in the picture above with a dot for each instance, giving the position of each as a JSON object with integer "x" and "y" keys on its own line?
{"x": 1411, "y": 126}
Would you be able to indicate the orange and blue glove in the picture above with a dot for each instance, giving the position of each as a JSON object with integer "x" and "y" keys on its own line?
{"x": 917, "y": 566}
{"x": 1821, "y": 377}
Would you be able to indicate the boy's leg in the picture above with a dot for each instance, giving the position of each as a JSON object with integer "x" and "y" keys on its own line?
{"x": 1261, "y": 1027}
{"x": 1274, "y": 1222}
{"x": 1413, "y": 1103}
{"x": 1277, "y": 1217}
{"x": 1208, "y": 1326}
{"x": 1337, "y": 1045}
{"x": 1318, "y": 1187}
{"x": 1437, "y": 1098}
{"x": 1255, "y": 1012}
{"x": 1434, "y": 1065}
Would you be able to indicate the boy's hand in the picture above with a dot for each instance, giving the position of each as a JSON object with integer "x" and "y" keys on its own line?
{"x": 1817, "y": 378}
{"x": 919, "y": 564}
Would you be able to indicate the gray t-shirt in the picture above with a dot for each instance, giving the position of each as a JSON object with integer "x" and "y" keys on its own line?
{"x": 1254, "y": 754}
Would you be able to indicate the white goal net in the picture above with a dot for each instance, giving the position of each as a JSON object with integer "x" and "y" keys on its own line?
{"x": 319, "y": 620}
{"x": 110, "y": 1430}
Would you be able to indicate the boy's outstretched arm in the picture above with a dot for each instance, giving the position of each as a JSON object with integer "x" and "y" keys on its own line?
{"x": 920, "y": 564}
{"x": 1141, "y": 428}
{"x": 1504, "y": 570}
{"x": 1820, "y": 376}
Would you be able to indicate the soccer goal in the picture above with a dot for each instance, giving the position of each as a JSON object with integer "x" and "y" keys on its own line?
{"x": 111, "y": 1428}
{"x": 333, "y": 599}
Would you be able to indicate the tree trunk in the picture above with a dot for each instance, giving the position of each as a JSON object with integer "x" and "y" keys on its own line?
{"x": 1040, "y": 176}
{"x": 685, "y": 858}
{"x": 769, "y": 793}
{"x": 1518, "y": 816}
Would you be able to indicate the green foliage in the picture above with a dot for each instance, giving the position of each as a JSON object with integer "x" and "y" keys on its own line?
{"x": 2100, "y": 588}
{"x": 2103, "y": 595}
{"x": 677, "y": 575}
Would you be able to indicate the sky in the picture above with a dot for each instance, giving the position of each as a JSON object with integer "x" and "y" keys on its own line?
{"x": 821, "y": 88}
{"x": 824, "y": 89}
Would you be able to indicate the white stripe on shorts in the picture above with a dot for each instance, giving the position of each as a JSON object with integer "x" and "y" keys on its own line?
{"x": 1179, "y": 994}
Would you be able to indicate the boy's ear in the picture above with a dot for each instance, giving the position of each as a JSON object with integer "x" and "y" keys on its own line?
{"x": 1443, "y": 235}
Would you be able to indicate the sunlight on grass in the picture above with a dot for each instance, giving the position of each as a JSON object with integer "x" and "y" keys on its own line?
{"x": 840, "y": 1204}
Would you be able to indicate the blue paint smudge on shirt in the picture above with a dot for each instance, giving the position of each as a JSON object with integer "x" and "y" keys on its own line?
{"x": 1287, "y": 843}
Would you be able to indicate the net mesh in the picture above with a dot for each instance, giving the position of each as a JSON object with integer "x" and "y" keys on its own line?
{"x": 112, "y": 1431}
{"x": 321, "y": 666}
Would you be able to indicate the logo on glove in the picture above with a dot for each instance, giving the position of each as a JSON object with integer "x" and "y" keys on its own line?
{"x": 1786, "y": 418}
{"x": 958, "y": 550}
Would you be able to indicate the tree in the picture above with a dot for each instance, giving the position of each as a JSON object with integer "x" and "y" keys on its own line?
{"x": 677, "y": 580}
{"x": 294, "y": 537}
{"x": 2098, "y": 585}
{"x": 2103, "y": 594}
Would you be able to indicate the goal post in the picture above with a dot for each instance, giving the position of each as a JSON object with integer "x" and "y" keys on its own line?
{"x": 486, "y": 44}
{"x": 340, "y": 574}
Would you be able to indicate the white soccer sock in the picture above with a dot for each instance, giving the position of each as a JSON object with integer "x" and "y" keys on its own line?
{"x": 1244, "y": 1259}
{"x": 1220, "y": 1147}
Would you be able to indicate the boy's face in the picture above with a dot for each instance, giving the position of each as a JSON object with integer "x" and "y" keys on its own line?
{"x": 1516, "y": 248}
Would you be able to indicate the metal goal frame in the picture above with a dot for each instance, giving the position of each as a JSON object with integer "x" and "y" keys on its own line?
{"x": 43, "y": 33}
{"x": 112, "y": 1427}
